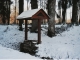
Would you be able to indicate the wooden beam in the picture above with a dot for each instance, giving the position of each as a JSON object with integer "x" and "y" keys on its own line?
{"x": 39, "y": 31}
{"x": 26, "y": 30}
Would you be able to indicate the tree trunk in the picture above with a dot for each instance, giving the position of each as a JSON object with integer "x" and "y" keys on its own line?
{"x": 79, "y": 16}
{"x": 51, "y": 11}
{"x": 59, "y": 11}
{"x": 75, "y": 12}
{"x": 34, "y": 5}
{"x": 9, "y": 12}
{"x": 5, "y": 11}
{"x": 2, "y": 11}
{"x": 79, "y": 21}
{"x": 15, "y": 11}
{"x": 27, "y": 4}
{"x": 21, "y": 7}
{"x": 79, "y": 11}
{"x": 64, "y": 7}
{"x": 60, "y": 19}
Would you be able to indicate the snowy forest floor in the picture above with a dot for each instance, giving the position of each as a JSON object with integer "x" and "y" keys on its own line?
{"x": 64, "y": 45}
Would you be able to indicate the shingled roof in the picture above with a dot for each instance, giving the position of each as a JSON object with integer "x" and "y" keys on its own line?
{"x": 29, "y": 13}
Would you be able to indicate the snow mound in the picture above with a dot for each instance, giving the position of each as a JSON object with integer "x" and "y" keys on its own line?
{"x": 10, "y": 36}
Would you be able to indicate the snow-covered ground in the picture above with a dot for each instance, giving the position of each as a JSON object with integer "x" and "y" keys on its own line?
{"x": 63, "y": 46}
{"x": 10, "y": 39}
{"x": 10, "y": 36}
{"x": 7, "y": 53}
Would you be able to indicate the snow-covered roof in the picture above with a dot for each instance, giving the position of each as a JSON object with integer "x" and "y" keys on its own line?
{"x": 27, "y": 14}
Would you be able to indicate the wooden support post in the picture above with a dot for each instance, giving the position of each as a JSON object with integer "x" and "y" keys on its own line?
{"x": 26, "y": 30}
{"x": 39, "y": 31}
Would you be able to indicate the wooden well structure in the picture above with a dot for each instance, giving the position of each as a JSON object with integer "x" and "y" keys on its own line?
{"x": 35, "y": 14}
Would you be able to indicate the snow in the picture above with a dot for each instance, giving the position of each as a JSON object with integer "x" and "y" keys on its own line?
{"x": 65, "y": 45}
{"x": 7, "y": 53}
{"x": 10, "y": 37}
{"x": 28, "y": 13}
